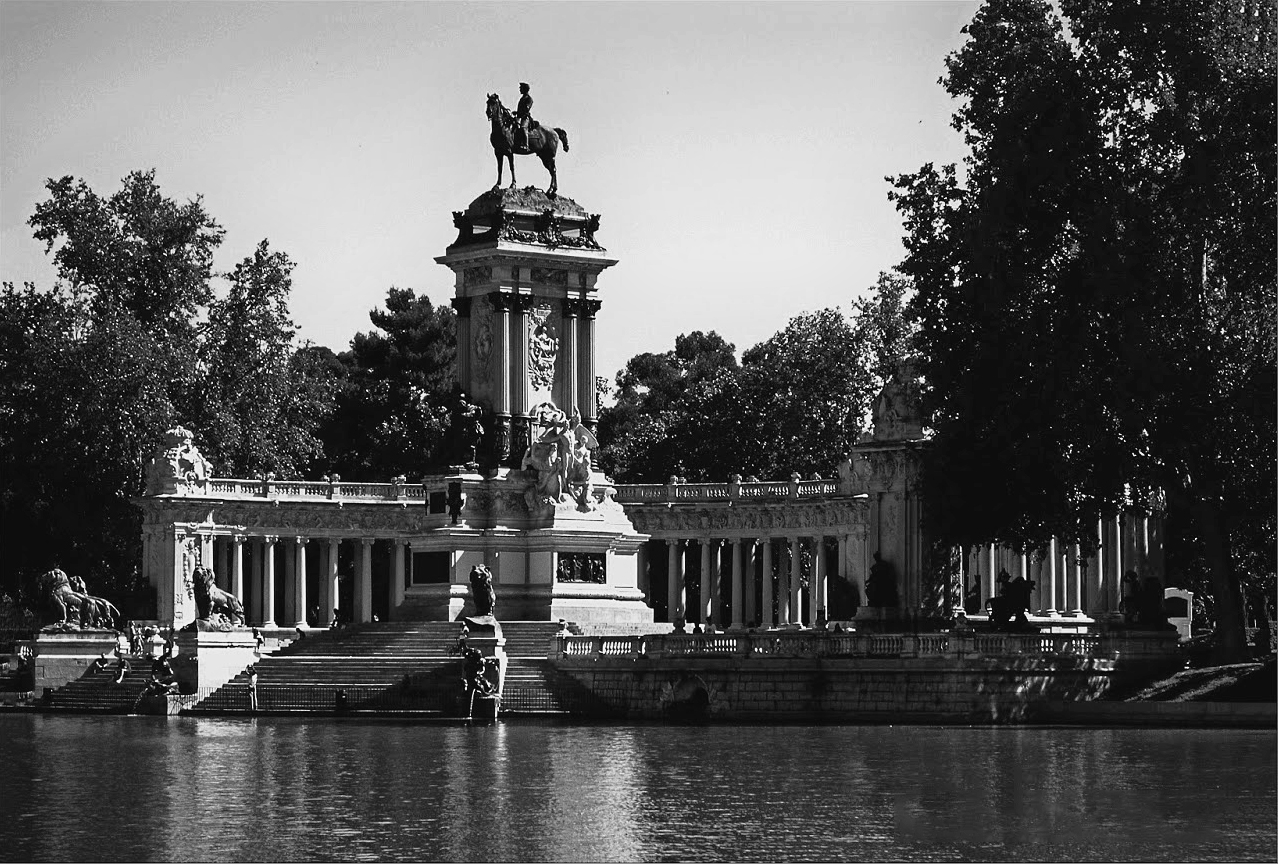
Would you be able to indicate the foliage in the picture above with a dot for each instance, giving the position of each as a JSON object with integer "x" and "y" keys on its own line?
{"x": 261, "y": 400}
{"x": 795, "y": 404}
{"x": 391, "y": 415}
{"x": 93, "y": 371}
{"x": 1095, "y": 300}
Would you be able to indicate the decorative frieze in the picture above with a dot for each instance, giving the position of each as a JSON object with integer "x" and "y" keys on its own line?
{"x": 543, "y": 346}
{"x": 476, "y": 276}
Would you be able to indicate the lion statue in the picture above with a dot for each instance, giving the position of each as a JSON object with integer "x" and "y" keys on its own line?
{"x": 71, "y": 608}
{"x": 211, "y": 600}
{"x": 481, "y": 590}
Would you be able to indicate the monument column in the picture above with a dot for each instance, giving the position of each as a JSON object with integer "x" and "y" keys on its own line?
{"x": 766, "y": 618}
{"x": 738, "y": 588}
{"x": 750, "y": 611}
{"x": 568, "y": 365}
{"x": 519, "y": 423}
{"x": 268, "y": 581}
{"x": 501, "y": 402}
{"x": 237, "y": 571}
{"x": 674, "y": 582}
{"x": 586, "y": 399}
{"x": 299, "y": 582}
{"x": 462, "y": 306}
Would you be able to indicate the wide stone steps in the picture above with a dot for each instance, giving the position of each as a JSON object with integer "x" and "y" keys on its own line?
{"x": 386, "y": 666}
{"x": 99, "y": 693}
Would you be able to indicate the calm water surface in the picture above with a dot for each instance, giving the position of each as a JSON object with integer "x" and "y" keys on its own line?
{"x": 152, "y": 789}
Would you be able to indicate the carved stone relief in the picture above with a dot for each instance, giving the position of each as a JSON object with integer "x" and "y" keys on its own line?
{"x": 475, "y": 275}
{"x": 543, "y": 346}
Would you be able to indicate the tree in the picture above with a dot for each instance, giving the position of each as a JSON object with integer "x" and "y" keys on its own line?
{"x": 392, "y": 408}
{"x": 638, "y": 434}
{"x": 1096, "y": 300}
{"x": 261, "y": 400}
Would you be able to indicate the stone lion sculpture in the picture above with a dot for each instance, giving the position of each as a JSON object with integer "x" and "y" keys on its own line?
{"x": 211, "y": 600}
{"x": 481, "y": 590}
{"x": 72, "y": 609}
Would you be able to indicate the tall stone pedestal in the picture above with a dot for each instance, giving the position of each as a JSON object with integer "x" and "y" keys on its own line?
{"x": 60, "y": 658}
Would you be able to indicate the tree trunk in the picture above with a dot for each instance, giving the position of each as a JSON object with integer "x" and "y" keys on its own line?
{"x": 1231, "y": 632}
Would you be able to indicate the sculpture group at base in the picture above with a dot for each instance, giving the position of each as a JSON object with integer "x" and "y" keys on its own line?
{"x": 72, "y": 607}
{"x": 560, "y": 454}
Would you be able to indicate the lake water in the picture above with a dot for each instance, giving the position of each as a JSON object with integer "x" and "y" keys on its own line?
{"x": 155, "y": 789}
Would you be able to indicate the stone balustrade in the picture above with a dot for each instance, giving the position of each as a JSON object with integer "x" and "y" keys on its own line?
{"x": 822, "y": 644}
{"x": 313, "y": 490}
{"x": 708, "y": 493}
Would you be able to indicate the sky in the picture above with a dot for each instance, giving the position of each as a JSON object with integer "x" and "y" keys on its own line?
{"x": 737, "y": 152}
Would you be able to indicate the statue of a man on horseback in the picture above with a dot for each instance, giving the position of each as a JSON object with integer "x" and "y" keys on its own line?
{"x": 519, "y": 133}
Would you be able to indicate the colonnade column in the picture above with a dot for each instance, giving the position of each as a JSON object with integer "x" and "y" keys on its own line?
{"x": 253, "y": 602}
{"x": 674, "y": 582}
{"x": 765, "y": 615}
{"x": 501, "y": 402}
{"x": 992, "y": 575}
{"x": 1050, "y": 599}
{"x": 751, "y": 563}
{"x": 703, "y": 610}
{"x": 689, "y": 602}
{"x": 1076, "y": 582}
{"x": 364, "y": 582}
{"x": 738, "y": 588}
{"x": 796, "y": 583}
{"x": 818, "y": 580}
{"x": 299, "y": 582}
{"x": 268, "y": 581}
{"x": 289, "y": 612}
{"x": 237, "y": 571}
{"x": 329, "y": 582}
{"x": 397, "y": 577}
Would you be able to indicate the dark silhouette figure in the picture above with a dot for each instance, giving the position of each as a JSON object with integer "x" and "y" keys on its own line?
{"x": 880, "y": 587}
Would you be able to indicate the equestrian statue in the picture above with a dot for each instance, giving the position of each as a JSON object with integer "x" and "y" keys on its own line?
{"x": 519, "y": 133}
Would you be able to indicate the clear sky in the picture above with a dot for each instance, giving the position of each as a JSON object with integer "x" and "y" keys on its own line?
{"x": 736, "y": 151}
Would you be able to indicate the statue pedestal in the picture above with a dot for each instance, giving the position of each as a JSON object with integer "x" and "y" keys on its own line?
{"x": 60, "y": 658}
{"x": 548, "y": 561}
{"x": 209, "y": 658}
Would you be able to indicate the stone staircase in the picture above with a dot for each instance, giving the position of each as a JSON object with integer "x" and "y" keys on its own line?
{"x": 97, "y": 693}
{"x": 401, "y": 666}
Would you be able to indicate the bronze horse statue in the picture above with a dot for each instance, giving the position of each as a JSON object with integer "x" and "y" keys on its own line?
{"x": 540, "y": 141}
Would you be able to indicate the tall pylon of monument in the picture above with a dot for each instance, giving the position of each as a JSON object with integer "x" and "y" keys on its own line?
{"x": 526, "y": 267}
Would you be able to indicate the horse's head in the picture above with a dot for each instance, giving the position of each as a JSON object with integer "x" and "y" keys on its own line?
{"x": 494, "y": 107}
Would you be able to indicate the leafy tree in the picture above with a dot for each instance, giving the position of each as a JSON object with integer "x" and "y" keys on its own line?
{"x": 1096, "y": 300}
{"x": 262, "y": 400}
{"x": 638, "y": 433}
{"x": 391, "y": 415}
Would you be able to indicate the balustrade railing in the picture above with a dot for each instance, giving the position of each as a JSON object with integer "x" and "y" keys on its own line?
{"x": 809, "y": 643}
{"x": 318, "y": 489}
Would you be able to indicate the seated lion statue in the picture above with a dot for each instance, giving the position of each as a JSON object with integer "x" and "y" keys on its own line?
{"x": 211, "y": 600}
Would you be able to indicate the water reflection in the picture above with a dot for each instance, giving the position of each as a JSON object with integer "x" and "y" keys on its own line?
{"x": 202, "y": 789}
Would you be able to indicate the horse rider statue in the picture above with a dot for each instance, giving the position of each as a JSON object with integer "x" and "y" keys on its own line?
{"x": 523, "y": 115}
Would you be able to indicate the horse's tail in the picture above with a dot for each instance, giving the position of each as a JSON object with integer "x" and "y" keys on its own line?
{"x": 563, "y": 136}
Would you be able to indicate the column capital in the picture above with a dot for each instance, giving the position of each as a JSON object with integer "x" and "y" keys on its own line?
{"x": 522, "y": 302}
{"x": 238, "y": 539}
{"x": 462, "y": 305}
{"x": 270, "y": 539}
{"x": 367, "y": 541}
{"x": 501, "y": 301}
{"x": 301, "y": 541}
{"x": 400, "y": 541}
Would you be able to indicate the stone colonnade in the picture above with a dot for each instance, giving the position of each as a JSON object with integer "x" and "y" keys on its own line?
{"x": 252, "y": 566}
{"x": 747, "y": 582}
{"x": 1068, "y": 581}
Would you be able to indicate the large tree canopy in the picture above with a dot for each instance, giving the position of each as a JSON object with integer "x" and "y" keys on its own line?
{"x": 397, "y": 381}
{"x": 1096, "y": 296}
{"x": 94, "y": 370}
{"x": 796, "y": 403}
